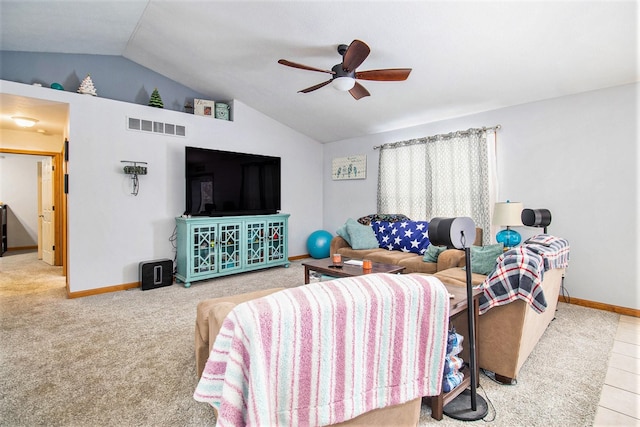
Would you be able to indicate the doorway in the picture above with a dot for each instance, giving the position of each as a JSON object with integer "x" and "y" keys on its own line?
{"x": 33, "y": 191}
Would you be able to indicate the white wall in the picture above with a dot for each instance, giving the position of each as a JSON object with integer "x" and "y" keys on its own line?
{"x": 575, "y": 155}
{"x": 110, "y": 231}
{"x": 19, "y": 191}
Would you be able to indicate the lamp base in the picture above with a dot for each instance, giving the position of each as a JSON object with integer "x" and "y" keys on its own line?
{"x": 509, "y": 238}
{"x": 460, "y": 407}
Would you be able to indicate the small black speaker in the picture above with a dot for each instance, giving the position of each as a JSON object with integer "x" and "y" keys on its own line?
{"x": 536, "y": 217}
{"x": 156, "y": 273}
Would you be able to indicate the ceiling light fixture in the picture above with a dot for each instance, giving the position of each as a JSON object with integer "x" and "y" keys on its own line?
{"x": 24, "y": 122}
{"x": 344, "y": 84}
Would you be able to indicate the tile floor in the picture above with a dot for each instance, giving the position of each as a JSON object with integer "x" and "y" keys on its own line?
{"x": 620, "y": 396}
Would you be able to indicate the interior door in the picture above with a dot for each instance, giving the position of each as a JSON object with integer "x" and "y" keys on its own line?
{"x": 40, "y": 215}
{"x": 48, "y": 212}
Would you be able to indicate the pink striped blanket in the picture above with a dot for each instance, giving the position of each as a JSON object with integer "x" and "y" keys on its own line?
{"x": 327, "y": 352}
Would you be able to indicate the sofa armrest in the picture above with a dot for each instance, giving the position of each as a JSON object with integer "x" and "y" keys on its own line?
{"x": 450, "y": 258}
{"x": 336, "y": 243}
{"x": 209, "y": 318}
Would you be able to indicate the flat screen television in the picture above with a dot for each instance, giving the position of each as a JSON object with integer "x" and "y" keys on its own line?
{"x": 224, "y": 183}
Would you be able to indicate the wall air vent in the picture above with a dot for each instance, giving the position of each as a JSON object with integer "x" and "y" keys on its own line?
{"x": 155, "y": 127}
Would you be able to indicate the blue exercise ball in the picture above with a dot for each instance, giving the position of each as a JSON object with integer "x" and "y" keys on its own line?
{"x": 318, "y": 244}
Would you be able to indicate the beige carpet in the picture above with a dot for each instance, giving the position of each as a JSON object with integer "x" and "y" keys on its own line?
{"x": 126, "y": 358}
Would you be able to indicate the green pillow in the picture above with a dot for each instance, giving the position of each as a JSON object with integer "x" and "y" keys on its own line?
{"x": 432, "y": 253}
{"x": 483, "y": 258}
{"x": 342, "y": 232}
{"x": 361, "y": 236}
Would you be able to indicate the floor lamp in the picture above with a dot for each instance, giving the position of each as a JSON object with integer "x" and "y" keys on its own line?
{"x": 460, "y": 233}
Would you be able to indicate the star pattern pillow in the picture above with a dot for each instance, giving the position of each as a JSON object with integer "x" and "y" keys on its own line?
{"x": 405, "y": 236}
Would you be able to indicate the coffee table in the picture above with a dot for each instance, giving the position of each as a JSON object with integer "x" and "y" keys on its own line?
{"x": 325, "y": 266}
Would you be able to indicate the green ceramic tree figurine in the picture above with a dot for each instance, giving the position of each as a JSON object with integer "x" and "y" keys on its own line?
{"x": 155, "y": 100}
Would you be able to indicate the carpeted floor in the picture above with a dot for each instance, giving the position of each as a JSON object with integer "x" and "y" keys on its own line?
{"x": 126, "y": 358}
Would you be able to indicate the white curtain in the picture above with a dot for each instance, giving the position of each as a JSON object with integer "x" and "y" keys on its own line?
{"x": 440, "y": 176}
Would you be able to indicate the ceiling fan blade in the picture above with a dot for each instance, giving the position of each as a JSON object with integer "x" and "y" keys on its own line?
{"x": 303, "y": 67}
{"x": 359, "y": 91}
{"x": 386, "y": 75}
{"x": 318, "y": 86}
{"x": 355, "y": 55}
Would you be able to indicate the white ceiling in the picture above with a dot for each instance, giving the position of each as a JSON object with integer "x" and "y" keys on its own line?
{"x": 466, "y": 57}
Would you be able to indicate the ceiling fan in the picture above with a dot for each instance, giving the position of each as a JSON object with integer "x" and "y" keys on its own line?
{"x": 344, "y": 75}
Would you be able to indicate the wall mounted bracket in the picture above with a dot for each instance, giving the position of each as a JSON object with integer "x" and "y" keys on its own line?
{"x": 134, "y": 169}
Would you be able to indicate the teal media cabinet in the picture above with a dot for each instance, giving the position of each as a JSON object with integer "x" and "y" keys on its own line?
{"x": 210, "y": 247}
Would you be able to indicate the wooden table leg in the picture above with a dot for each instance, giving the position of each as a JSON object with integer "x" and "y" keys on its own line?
{"x": 306, "y": 275}
{"x": 436, "y": 406}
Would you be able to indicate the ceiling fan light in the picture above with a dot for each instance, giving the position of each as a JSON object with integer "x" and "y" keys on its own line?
{"x": 344, "y": 83}
{"x": 24, "y": 122}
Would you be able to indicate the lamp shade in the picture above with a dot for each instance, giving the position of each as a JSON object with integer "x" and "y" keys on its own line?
{"x": 456, "y": 233}
{"x": 508, "y": 214}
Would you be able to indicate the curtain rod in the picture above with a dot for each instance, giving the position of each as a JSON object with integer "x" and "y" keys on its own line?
{"x": 442, "y": 135}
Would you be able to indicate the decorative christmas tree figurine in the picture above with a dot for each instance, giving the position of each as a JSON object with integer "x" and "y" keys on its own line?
{"x": 87, "y": 87}
{"x": 155, "y": 100}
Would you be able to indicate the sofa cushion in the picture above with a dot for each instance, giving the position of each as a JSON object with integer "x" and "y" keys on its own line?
{"x": 432, "y": 253}
{"x": 405, "y": 236}
{"x": 391, "y": 257}
{"x": 342, "y": 232}
{"x": 368, "y": 219}
{"x": 415, "y": 264}
{"x": 348, "y": 252}
{"x": 458, "y": 277}
{"x": 360, "y": 236}
{"x": 483, "y": 258}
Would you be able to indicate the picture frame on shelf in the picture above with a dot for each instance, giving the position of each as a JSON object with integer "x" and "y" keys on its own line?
{"x": 204, "y": 107}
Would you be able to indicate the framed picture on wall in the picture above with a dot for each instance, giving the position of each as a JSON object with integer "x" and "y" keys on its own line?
{"x": 351, "y": 167}
{"x": 204, "y": 107}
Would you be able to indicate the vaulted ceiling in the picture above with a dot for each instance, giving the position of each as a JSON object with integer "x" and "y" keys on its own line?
{"x": 466, "y": 56}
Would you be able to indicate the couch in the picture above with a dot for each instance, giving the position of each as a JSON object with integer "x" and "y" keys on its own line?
{"x": 413, "y": 262}
{"x": 508, "y": 333}
{"x": 211, "y": 314}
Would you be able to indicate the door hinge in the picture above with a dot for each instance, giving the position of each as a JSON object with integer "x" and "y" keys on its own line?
{"x": 53, "y": 208}
{"x": 53, "y": 248}
{"x": 53, "y": 167}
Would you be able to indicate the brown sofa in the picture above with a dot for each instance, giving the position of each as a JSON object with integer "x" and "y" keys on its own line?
{"x": 209, "y": 317}
{"x": 412, "y": 262}
{"x": 508, "y": 333}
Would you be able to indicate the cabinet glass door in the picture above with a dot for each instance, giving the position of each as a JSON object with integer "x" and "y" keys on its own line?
{"x": 203, "y": 250}
{"x": 229, "y": 246}
{"x": 275, "y": 241}
{"x": 255, "y": 243}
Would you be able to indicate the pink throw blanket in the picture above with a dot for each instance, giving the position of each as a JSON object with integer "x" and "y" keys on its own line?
{"x": 327, "y": 352}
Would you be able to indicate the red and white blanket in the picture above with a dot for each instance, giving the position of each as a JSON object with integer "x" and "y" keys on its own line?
{"x": 519, "y": 272}
{"x": 327, "y": 352}
{"x": 553, "y": 250}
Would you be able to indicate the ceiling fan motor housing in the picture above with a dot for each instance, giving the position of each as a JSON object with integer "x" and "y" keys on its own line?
{"x": 340, "y": 72}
